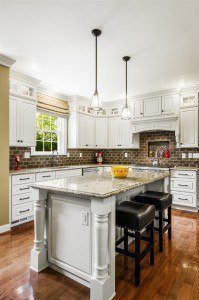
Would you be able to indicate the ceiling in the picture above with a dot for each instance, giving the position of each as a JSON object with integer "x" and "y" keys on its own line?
{"x": 52, "y": 41}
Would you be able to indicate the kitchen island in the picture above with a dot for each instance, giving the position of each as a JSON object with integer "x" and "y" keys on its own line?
{"x": 75, "y": 225}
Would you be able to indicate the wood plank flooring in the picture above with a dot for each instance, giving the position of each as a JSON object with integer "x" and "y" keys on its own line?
{"x": 174, "y": 276}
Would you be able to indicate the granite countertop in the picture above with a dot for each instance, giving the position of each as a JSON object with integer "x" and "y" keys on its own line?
{"x": 100, "y": 185}
{"x": 57, "y": 168}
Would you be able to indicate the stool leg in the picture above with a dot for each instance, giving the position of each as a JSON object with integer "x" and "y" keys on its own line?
{"x": 169, "y": 221}
{"x": 125, "y": 239}
{"x": 152, "y": 243}
{"x": 137, "y": 258}
{"x": 160, "y": 231}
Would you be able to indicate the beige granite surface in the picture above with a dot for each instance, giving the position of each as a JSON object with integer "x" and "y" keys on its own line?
{"x": 49, "y": 169}
{"x": 100, "y": 185}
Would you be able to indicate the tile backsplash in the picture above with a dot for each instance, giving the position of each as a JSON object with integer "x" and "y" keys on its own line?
{"x": 113, "y": 156}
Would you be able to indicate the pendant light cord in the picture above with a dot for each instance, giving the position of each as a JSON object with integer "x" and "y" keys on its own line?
{"x": 126, "y": 83}
{"x": 96, "y": 64}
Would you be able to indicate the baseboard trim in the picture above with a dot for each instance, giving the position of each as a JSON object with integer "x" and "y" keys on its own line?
{"x": 5, "y": 228}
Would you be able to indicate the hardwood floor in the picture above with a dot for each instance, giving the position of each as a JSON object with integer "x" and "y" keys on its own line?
{"x": 174, "y": 276}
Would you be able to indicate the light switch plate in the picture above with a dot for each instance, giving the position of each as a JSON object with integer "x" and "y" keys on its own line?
{"x": 184, "y": 155}
{"x": 125, "y": 154}
{"x": 195, "y": 155}
{"x": 80, "y": 155}
{"x": 68, "y": 154}
{"x": 190, "y": 155}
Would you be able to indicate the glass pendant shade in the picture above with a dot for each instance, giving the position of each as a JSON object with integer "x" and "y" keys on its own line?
{"x": 126, "y": 113}
{"x": 96, "y": 104}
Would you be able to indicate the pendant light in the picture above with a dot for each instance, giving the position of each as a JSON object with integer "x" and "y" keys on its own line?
{"x": 96, "y": 104}
{"x": 126, "y": 111}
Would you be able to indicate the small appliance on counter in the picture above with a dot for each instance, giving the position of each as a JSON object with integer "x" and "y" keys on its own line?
{"x": 17, "y": 159}
{"x": 99, "y": 157}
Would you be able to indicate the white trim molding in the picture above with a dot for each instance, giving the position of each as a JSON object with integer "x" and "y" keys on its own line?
{"x": 5, "y": 228}
{"x": 6, "y": 61}
{"x": 24, "y": 77}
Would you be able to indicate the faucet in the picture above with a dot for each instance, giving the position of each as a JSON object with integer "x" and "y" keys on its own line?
{"x": 54, "y": 157}
{"x": 155, "y": 160}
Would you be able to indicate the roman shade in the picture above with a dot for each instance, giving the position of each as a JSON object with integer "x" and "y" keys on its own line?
{"x": 52, "y": 105}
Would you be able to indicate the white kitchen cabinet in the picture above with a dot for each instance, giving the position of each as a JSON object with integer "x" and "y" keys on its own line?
{"x": 152, "y": 107}
{"x": 189, "y": 99}
{"x": 22, "y": 122}
{"x": 86, "y": 131}
{"x": 101, "y": 130}
{"x": 167, "y": 105}
{"x": 137, "y": 109}
{"x": 114, "y": 132}
{"x": 189, "y": 127}
{"x": 120, "y": 134}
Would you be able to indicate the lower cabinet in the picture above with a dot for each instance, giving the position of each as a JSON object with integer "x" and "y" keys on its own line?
{"x": 22, "y": 202}
{"x": 184, "y": 189}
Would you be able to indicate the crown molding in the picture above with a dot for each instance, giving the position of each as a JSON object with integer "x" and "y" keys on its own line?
{"x": 24, "y": 77}
{"x": 6, "y": 61}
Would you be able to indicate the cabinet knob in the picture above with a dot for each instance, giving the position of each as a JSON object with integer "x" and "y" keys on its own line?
{"x": 141, "y": 113}
{"x": 21, "y": 141}
{"x": 18, "y": 141}
{"x": 162, "y": 110}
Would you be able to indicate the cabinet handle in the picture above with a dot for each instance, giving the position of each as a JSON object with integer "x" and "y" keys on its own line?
{"x": 22, "y": 189}
{"x": 24, "y": 178}
{"x": 22, "y": 211}
{"x": 45, "y": 176}
{"x": 183, "y": 174}
{"x": 24, "y": 198}
{"x": 182, "y": 184}
{"x": 184, "y": 199}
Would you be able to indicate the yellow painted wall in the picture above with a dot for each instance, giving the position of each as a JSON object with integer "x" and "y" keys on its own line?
{"x": 4, "y": 145}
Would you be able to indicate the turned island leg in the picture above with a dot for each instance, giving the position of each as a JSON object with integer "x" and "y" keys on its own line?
{"x": 103, "y": 269}
{"x": 39, "y": 251}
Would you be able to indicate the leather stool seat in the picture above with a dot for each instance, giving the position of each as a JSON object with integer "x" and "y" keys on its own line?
{"x": 134, "y": 215}
{"x": 160, "y": 200}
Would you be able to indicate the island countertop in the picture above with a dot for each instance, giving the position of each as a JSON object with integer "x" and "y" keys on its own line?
{"x": 100, "y": 185}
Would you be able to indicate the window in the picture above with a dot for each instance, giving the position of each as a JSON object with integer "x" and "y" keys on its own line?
{"x": 50, "y": 134}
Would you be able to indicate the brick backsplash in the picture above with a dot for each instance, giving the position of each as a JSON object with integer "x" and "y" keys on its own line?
{"x": 112, "y": 156}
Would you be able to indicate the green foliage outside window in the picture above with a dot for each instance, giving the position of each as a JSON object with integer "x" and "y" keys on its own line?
{"x": 47, "y": 133}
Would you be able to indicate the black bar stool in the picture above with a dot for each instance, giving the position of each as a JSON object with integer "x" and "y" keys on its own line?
{"x": 161, "y": 201}
{"x": 135, "y": 217}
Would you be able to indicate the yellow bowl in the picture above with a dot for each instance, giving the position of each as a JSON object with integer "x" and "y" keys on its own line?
{"x": 119, "y": 172}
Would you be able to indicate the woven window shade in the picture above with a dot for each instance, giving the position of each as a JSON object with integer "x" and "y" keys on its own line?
{"x": 52, "y": 105}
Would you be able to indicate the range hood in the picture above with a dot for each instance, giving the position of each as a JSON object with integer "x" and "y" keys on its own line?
{"x": 168, "y": 123}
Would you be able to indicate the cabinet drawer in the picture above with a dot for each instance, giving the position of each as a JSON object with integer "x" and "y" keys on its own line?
{"x": 21, "y": 211}
{"x": 68, "y": 173}
{"x": 19, "y": 199}
{"x": 183, "y": 174}
{"x": 20, "y": 189}
{"x": 184, "y": 199}
{"x": 44, "y": 176}
{"x": 183, "y": 185}
{"x": 24, "y": 178}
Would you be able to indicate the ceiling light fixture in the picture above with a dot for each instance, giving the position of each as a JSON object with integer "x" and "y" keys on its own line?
{"x": 96, "y": 104}
{"x": 126, "y": 111}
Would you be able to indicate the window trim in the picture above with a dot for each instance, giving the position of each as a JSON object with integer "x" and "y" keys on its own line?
{"x": 62, "y": 147}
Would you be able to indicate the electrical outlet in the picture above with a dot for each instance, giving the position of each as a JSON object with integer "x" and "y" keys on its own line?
{"x": 80, "y": 155}
{"x": 125, "y": 154}
{"x": 195, "y": 155}
{"x": 190, "y": 155}
{"x": 68, "y": 154}
{"x": 184, "y": 155}
{"x": 27, "y": 155}
{"x": 85, "y": 216}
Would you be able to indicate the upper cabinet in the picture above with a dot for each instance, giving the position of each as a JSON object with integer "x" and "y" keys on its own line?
{"x": 168, "y": 105}
{"x": 86, "y": 132}
{"x": 101, "y": 131}
{"x": 137, "y": 109}
{"x": 22, "y": 105}
{"x": 152, "y": 107}
{"x": 189, "y": 127}
{"x": 22, "y": 122}
{"x": 120, "y": 134}
{"x": 189, "y": 99}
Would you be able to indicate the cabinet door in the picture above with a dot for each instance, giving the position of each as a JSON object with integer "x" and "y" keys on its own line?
{"x": 90, "y": 132}
{"x": 126, "y": 134}
{"x": 189, "y": 127}
{"x": 114, "y": 133}
{"x": 167, "y": 105}
{"x": 101, "y": 132}
{"x": 13, "y": 122}
{"x": 189, "y": 99}
{"x": 152, "y": 107}
{"x": 27, "y": 115}
{"x": 137, "y": 109}
{"x": 81, "y": 131}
